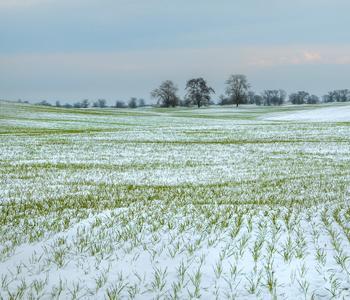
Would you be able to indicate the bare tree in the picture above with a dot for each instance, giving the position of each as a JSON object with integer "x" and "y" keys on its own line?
{"x": 44, "y": 103}
{"x": 342, "y": 95}
{"x": 85, "y": 103}
{"x": 198, "y": 92}
{"x": 166, "y": 94}
{"x": 312, "y": 99}
{"x": 237, "y": 88}
{"x": 132, "y": 102}
{"x": 119, "y": 104}
{"x": 142, "y": 102}
{"x": 299, "y": 97}
{"x": 100, "y": 103}
{"x": 337, "y": 96}
{"x": 77, "y": 105}
{"x": 273, "y": 97}
{"x": 253, "y": 98}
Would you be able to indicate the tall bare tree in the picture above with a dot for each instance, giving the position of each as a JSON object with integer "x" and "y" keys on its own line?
{"x": 166, "y": 94}
{"x": 237, "y": 88}
{"x": 198, "y": 92}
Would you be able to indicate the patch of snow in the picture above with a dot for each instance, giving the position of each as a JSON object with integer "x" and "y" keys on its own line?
{"x": 326, "y": 114}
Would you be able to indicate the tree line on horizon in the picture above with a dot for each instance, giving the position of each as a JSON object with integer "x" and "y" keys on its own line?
{"x": 198, "y": 93}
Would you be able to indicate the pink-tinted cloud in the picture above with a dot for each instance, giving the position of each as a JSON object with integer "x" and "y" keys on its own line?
{"x": 298, "y": 55}
{"x": 312, "y": 56}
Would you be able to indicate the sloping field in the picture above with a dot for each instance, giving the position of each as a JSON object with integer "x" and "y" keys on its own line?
{"x": 174, "y": 203}
{"x": 328, "y": 114}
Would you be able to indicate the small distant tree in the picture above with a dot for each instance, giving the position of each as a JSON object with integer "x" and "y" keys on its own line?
{"x": 258, "y": 100}
{"x": 120, "y": 104}
{"x": 329, "y": 97}
{"x": 77, "y": 105}
{"x": 166, "y": 94}
{"x": 85, "y": 103}
{"x": 251, "y": 97}
{"x": 198, "y": 92}
{"x": 312, "y": 99}
{"x": 237, "y": 88}
{"x": 142, "y": 102}
{"x": 299, "y": 97}
{"x": 132, "y": 102}
{"x": 337, "y": 96}
{"x": 342, "y": 95}
{"x": 44, "y": 103}
{"x": 185, "y": 102}
{"x": 67, "y": 105}
{"x": 224, "y": 100}
{"x": 58, "y": 104}
{"x": 100, "y": 103}
{"x": 273, "y": 97}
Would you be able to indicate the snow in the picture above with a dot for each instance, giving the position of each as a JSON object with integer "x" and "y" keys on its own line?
{"x": 124, "y": 197}
{"x": 326, "y": 114}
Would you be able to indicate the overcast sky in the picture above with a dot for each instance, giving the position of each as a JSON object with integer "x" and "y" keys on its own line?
{"x": 114, "y": 49}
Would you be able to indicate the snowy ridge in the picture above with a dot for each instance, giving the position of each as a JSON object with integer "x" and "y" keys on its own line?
{"x": 326, "y": 114}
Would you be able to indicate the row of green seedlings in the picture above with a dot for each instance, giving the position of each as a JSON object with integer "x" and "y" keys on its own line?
{"x": 242, "y": 242}
{"x": 335, "y": 282}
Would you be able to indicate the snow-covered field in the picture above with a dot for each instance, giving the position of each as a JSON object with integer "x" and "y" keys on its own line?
{"x": 216, "y": 203}
{"x": 327, "y": 114}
